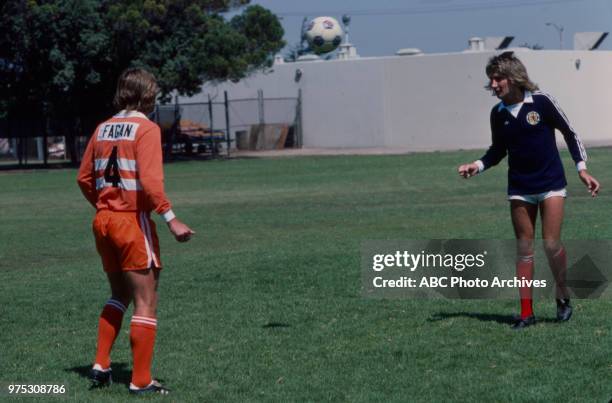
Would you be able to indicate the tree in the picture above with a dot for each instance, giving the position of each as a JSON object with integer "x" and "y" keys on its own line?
{"x": 187, "y": 42}
{"x": 61, "y": 58}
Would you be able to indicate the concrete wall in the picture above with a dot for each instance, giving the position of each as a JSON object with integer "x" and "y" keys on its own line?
{"x": 343, "y": 104}
{"x": 437, "y": 102}
{"x": 428, "y": 102}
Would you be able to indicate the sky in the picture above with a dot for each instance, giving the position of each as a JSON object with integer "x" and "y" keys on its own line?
{"x": 381, "y": 27}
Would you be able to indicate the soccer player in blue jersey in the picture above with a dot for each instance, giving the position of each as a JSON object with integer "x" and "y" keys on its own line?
{"x": 523, "y": 128}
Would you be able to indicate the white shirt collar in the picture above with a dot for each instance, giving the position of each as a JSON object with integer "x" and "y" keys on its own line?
{"x": 130, "y": 114}
{"x": 515, "y": 108}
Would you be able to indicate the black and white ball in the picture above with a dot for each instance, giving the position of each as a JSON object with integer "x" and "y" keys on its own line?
{"x": 324, "y": 34}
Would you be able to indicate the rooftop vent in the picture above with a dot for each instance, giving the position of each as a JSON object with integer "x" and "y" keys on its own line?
{"x": 476, "y": 44}
{"x": 409, "y": 52}
{"x": 497, "y": 42}
{"x": 588, "y": 40}
{"x": 308, "y": 58}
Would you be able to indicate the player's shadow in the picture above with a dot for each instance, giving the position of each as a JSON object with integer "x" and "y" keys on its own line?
{"x": 272, "y": 325}
{"x": 121, "y": 372}
{"x": 485, "y": 317}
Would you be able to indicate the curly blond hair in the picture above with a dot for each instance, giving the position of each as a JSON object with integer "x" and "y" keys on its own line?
{"x": 509, "y": 66}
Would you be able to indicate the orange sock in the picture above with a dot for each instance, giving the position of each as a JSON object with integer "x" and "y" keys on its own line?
{"x": 524, "y": 269}
{"x": 108, "y": 329}
{"x": 142, "y": 339}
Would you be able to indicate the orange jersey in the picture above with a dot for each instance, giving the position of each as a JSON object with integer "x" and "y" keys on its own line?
{"x": 122, "y": 167}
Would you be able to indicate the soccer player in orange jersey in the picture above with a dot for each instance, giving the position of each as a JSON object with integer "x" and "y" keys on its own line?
{"x": 121, "y": 175}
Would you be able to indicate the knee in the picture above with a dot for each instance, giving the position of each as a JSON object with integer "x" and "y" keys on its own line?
{"x": 524, "y": 248}
{"x": 146, "y": 304}
{"x": 552, "y": 247}
{"x": 124, "y": 298}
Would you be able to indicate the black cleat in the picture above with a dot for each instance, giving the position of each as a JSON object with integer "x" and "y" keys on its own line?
{"x": 564, "y": 310}
{"x": 523, "y": 323}
{"x": 100, "y": 378}
{"x": 154, "y": 387}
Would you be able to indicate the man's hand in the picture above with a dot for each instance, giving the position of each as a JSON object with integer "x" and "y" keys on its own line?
{"x": 181, "y": 232}
{"x": 467, "y": 170}
{"x": 591, "y": 183}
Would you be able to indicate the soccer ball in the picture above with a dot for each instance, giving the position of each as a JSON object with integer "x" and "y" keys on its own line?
{"x": 324, "y": 34}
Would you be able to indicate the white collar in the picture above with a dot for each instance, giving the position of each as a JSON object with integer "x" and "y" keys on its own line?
{"x": 527, "y": 99}
{"x": 130, "y": 114}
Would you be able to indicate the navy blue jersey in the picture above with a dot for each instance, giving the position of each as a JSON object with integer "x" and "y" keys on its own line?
{"x": 534, "y": 164}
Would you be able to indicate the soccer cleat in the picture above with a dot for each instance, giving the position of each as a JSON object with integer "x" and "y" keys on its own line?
{"x": 100, "y": 377}
{"x": 564, "y": 310}
{"x": 524, "y": 322}
{"x": 153, "y": 387}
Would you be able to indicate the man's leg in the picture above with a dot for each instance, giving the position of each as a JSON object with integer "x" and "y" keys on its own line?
{"x": 552, "y": 220}
{"x": 143, "y": 328}
{"x": 523, "y": 220}
{"x": 111, "y": 318}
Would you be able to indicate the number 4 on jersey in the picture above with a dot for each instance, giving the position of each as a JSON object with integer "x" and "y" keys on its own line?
{"x": 111, "y": 173}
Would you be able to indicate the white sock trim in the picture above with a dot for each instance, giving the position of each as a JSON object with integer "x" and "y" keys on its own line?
{"x": 144, "y": 320}
{"x": 98, "y": 367}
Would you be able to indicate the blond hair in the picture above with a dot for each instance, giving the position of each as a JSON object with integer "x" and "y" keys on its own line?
{"x": 509, "y": 66}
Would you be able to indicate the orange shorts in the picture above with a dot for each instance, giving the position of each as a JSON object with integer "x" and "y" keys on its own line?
{"x": 126, "y": 240}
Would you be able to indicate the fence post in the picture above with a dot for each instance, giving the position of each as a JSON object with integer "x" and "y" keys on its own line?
{"x": 212, "y": 127}
{"x": 75, "y": 129}
{"x": 227, "y": 123}
{"x": 171, "y": 134}
{"x": 20, "y": 145}
{"x": 46, "y": 130}
{"x": 46, "y": 143}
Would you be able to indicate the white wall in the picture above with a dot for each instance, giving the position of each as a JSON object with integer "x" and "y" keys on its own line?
{"x": 343, "y": 104}
{"x": 437, "y": 102}
{"x": 585, "y": 94}
{"x": 428, "y": 102}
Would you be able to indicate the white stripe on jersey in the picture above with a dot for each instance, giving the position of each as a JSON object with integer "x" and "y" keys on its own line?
{"x": 124, "y": 164}
{"x": 125, "y": 184}
{"x": 581, "y": 148}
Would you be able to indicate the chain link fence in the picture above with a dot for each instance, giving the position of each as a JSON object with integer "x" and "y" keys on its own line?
{"x": 209, "y": 129}
{"x": 36, "y": 141}
{"x": 216, "y": 128}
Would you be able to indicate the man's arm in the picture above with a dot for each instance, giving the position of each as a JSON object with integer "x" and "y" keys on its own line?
{"x": 149, "y": 160}
{"x": 574, "y": 144}
{"x": 495, "y": 153}
{"x": 560, "y": 122}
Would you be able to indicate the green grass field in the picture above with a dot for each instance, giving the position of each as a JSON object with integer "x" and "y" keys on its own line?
{"x": 265, "y": 304}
